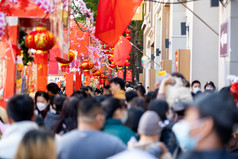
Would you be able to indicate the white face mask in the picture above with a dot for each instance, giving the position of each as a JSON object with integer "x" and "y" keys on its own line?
{"x": 41, "y": 106}
{"x": 196, "y": 90}
{"x": 124, "y": 119}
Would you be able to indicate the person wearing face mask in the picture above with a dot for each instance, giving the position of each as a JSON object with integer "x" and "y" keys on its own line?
{"x": 207, "y": 128}
{"x": 42, "y": 102}
{"x": 196, "y": 88}
{"x": 209, "y": 87}
{"x": 116, "y": 116}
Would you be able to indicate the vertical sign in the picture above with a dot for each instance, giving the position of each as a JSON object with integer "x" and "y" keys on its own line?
{"x": 129, "y": 75}
{"x": 120, "y": 74}
{"x": 224, "y": 40}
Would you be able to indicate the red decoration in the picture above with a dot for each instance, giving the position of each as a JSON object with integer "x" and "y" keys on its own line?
{"x": 113, "y": 17}
{"x": 128, "y": 37}
{"x": 129, "y": 75}
{"x": 41, "y": 57}
{"x": 86, "y": 65}
{"x": 111, "y": 52}
{"x": 40, "y": 39}
{"x": 234, "y": 91}
{"x": 103, "y": 76}
{"x": 112, "y": 65}
{"x": 111, "y": 59}
{"x": 128, "y": 58}
{"x": 122, "y": 51}
{"x": 127, "y": 64}
{"x": 120, "y": 74}
{"x": 71, "y": 56}
{"x": 97, "y": 73}
{"x": 64, "y": 67}
{"x": 127, "y": 31}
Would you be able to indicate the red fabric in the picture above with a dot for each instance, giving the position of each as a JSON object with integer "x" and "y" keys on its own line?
{"x": 78, "y": 81}
{"x": 234, "y": 91}
{"x": 53, "y": 64}
{"x": 41, "y": 58}
{"x": 79, "y": 40}
{"x": 113, "y": 17}
{"x": 122, "y": 51}
{"x": 69, "y": 84}
{"x": 23, "y": 9}
{"x": 120, "y": 74}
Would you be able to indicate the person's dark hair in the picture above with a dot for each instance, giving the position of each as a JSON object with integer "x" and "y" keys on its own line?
{"x": 130, "y": 95}
{"x": 196, "y": 81}
{"x": 20, "y": 108}
{"x": 53, "y": 87}
{"x": 100, "y": 98}
{"x": 128, "y": 85}
{"x": 89, "y": 88}
{"x": 37, "y": 133}
{"x": 141, "y": 90}
{"x": 89, "y": 108}
{"x": 222, "y": 111}
{"x": 80, "y": 94}
{"x": 119, "y": 81}
{"x": 59, "y": 101}
{"x": 52, "y": 99}
{"x": 107, "y": 87}
{"x": 138, "y": 102}
{"x": 184, "y": 80}
{"x": 134, "y": 115}
{"x": 149, "y": 97}
{"x": 110, "y": 105}
{"x": 97, "y": 90}
{"x": 160, "y": 107}
{"x": 68, "y": 116}
{"x": 42, "y": 94}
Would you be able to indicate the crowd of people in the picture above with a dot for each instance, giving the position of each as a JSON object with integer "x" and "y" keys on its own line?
{"x": 175, "y": 121}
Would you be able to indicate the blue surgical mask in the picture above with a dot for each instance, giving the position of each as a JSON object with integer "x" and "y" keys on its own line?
{"x": 185, "y": 141}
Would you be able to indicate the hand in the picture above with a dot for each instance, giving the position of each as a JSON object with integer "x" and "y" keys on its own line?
{"x": 169, "y": 80}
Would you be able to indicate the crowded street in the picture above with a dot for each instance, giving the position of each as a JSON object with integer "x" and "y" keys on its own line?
{"x": 118, "y": 79}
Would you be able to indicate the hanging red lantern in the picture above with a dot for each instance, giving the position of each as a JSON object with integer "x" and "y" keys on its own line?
{"x": 127, "y": 64}
{"x": 40, "y": 39}
{"x": 106, "y": 52}
{"x": 112, "y": 65}
{"x": 128, "y": 37}
{"x": 111, "y": 59}
{"x": 127, "y": 31}
{"x": 86, "y": 65}
{"x": 111, "y": 52}
{"x": 128, "y": 58}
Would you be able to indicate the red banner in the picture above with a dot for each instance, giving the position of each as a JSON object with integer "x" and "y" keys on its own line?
{"x": 120, "y": 74}
{"x": 129, "y": 75}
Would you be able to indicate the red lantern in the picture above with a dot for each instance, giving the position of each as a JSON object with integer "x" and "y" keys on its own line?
{"x": 112, "y": 65}
{"x": 40, "y": 39}
{"x": 106, "y": 52}
{"x": 127, "y": 64}
{"x": 120, "y": 65}
{"x": 111, "y": 59}
{"x": 103, "y": 76}
{"x": 128, "y": 37}
{"x": 86, "y": 65}
{"x": 128, "y": 58}
{"x": 111, "y": 52}
{"x": 127, "y": 31}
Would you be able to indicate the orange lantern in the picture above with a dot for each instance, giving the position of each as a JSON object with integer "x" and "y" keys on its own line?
{"x": 40, "y": 39}
{"x": 20, "y": 67}
{"x": 86, "y": 65}
{"x": 97, "y": 73}
{"x": 64, "y": 67}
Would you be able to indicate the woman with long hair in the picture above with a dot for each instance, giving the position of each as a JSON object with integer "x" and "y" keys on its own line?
{"x": 68, "y": 118}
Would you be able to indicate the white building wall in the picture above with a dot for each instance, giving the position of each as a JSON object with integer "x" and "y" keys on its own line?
{"x": 229, "y": 65}
{"x": 177, "y": 41}
{"x": 203, "y": 42}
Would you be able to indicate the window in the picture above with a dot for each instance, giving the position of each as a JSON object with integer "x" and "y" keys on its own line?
{"x": 214, "y": 3}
